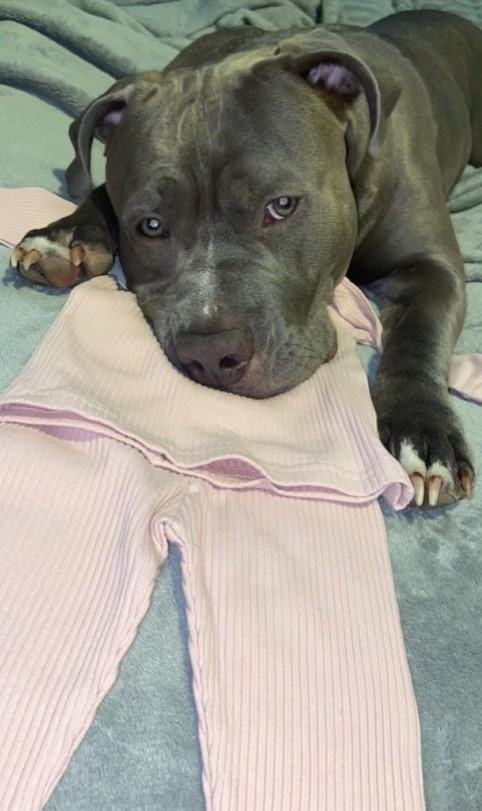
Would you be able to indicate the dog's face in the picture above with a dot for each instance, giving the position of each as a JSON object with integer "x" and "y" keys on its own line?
{"x": 235, "y": 222}
{"x": 236, "y": 213}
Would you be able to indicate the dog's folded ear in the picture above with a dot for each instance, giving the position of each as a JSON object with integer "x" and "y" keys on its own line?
{"x": 326, "y": 61}
{"x": 99, "y": 120}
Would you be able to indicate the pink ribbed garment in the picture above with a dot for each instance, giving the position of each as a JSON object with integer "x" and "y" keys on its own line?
{"x": 300, "y": 677}
{"x": 107, "y": 454}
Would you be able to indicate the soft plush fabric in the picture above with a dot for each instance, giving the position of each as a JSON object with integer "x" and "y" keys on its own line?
{"x": 142, "y": 751}
{"x": 364, "y": 12}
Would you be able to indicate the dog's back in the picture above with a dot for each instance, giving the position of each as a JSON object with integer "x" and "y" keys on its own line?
{"x": 454, "y": 45}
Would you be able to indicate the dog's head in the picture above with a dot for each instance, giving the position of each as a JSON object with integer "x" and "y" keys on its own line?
{"x": 232, "y": 185}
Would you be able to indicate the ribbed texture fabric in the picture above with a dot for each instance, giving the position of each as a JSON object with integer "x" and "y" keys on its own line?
{"x": 107, "y": 453}
{"x": 300, "y": 677}
{"x": 22, "y": 210}
{"x": 78, "y": 563}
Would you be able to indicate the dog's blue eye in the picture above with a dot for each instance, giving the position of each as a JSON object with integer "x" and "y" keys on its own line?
{"x": 279, "y": 209}
{"x": 153, "y": 227}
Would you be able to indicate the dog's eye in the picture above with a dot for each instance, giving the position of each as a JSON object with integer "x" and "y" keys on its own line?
{"x": 153, "y": 227}
{"x": 279, "y": 209}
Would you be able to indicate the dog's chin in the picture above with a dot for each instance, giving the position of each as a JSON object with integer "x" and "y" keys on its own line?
{"x": 259, "y": 387}
{"x": 259, "y": 390}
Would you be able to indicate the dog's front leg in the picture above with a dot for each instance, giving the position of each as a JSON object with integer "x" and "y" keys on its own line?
{"x": 423, "y": 315}
{"x": 73, "y": 249}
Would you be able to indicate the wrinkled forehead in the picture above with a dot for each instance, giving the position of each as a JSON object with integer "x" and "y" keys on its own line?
{"x": 212, "y": 121}
{"x": 177, "y": 122}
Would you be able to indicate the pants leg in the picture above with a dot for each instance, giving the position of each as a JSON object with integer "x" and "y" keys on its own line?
{"x": 303, "y": 691}
{"x": 300, "y": 676}
{"x": 80, "y": 549}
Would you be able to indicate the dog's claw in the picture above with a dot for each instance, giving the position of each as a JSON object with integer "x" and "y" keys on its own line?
{"x": 25, "y": 258}
{"x": 15, "y": 257}
{"x": 434, "y": 485}
{"x": 77, "y": 255}
{"x": 418, "y": 485}
{"x": 426, "y": 492}
{"x": 466, "y": 481}
{"x": 30, "y": 258}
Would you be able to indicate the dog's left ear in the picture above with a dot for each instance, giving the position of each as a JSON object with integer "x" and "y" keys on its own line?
{"x": 325, "y": 60}
{"x": 100, "y": 120}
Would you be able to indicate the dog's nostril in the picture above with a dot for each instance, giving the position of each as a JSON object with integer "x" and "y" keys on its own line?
{"x": 195, "y": 367}
{"x": 228, "y": 362}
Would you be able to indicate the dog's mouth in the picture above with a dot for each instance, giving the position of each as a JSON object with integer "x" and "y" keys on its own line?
{"x": 252, "y": 387}
{"x": 256, "y": 378}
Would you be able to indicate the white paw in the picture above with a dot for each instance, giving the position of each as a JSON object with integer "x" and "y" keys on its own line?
{"x": 434, "y": 486}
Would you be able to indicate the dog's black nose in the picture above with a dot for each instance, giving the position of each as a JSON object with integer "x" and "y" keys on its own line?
{"x": 217, "y": 359}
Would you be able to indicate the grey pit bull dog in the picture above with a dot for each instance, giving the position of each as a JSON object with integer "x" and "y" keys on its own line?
{"x": 249, "y": 176}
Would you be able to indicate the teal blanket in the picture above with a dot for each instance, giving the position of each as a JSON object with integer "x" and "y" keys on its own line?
{"x": 141, "y": 751}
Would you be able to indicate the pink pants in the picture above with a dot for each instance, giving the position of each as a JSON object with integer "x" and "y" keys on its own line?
{"x": 300, "y": 678}
{"x": 107, "y": 454}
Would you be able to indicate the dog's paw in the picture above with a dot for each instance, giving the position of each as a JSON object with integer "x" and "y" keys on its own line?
{"x": 426, "y": 438}
{"x": 63, "y": 256}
